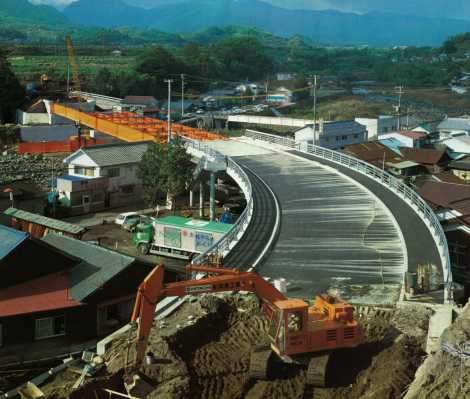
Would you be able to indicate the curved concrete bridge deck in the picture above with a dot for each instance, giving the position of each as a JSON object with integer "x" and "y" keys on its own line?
{"x": 332, "y": 226}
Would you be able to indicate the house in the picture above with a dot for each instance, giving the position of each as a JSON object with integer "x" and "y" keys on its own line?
{"x": 138, "y": 103}
{"x": 90, "y": 296}
{"x": 404, "y": 168}
{"x": 39, "y": 226}
{"x": 453, "y": 127}
{"x": 374, "y": 152}
{"x": 458, "y": 145}
{"x": 407, "y": 138}
{"x": 39, "y": 113}
{"x": 384, "y": 124}
{"x": 101, "y": 176}
{"x": 333, "y": 135}
{"x": 451, "y": 203}
{"x": 461, "y": 168}
{"x": 432, "y": 159}
{"x": 116, "y": 53}
{"x": 280, "y": 96}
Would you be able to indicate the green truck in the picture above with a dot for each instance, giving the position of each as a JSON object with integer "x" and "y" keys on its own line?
{"x": 178, "y": 237}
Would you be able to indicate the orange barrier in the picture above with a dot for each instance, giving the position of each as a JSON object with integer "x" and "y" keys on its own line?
{"x": 47, "y": 147}
{"x": 128, "y": 126}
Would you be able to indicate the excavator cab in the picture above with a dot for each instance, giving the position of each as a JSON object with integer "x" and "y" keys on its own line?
{"x": 289, "y": 327}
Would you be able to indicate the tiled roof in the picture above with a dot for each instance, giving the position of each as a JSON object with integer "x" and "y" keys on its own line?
{"x": 446, "y": 195}
{"x": 427, "y": 156}
{"x": 45, "y": 221}
{"x": 98, "y": 266}
{"x": 39, "y": 295}
{"x": 10, "y": 239}
{"x": 116, "y": 154}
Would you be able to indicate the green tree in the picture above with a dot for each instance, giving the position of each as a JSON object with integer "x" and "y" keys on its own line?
{"x": 151, "y": 172}
{"x": 165, "y": 169}
{"x": 243, "y": 58}
{"x": 178, "y": 170}
{"x": 11, "y": 92}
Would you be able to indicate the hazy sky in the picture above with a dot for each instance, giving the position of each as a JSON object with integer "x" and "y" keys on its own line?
{"x": 433, "y": 8}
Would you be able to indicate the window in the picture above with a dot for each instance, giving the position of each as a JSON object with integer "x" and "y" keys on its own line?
{"x": 356, "y": 136}
{"x": 82, "y": 171}
{"x": 114, "y": 172}
{"x": 128, "y": 189}
{"x": 344, "y": 137}
{"x": 49, "y": 327}
{"x": 294, "y": 321}
{"x": 337, "y": 138}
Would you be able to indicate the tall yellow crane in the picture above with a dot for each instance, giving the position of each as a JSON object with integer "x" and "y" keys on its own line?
{"x": 73, "y": 65}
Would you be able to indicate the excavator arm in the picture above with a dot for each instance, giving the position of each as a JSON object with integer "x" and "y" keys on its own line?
{"x": 153, "y": 289}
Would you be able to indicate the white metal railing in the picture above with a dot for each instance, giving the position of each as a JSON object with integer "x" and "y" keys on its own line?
{"x": 409, "y": 195}
{"x": 99, "y": 96}
{"x": 228, "y": 241}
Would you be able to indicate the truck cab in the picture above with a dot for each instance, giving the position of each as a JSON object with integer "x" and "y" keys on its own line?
{"x": 143, "y": 237}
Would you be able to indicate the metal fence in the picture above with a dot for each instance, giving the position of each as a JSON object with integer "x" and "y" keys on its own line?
{"x": 409, "y": 195}
{"x": 228, "y": 241}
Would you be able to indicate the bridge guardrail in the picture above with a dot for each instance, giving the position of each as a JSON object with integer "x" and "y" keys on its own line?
{"x": 420, "y": 206}
{"x": 228, "y": 241}
{"x": 95, "y": 95}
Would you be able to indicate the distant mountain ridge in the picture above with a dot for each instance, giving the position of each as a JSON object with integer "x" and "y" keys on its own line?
{"x": 24, "y": 11}
{"x": 187, "y": 17}
{"x": 334, "y": 27}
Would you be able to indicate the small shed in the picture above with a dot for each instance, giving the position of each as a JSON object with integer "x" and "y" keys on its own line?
{"x": 39, "y": 226}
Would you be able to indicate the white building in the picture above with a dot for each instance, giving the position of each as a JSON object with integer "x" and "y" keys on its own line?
{"x": 102, "y": 176}
{"x": 281, "y": 96}
{"x": 384, "y": 124}
{"x": 332, "y": 135}
{"x": 460, "y": 145}
{"x": 409, "y": 139}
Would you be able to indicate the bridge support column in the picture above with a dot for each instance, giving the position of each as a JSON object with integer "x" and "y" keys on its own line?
{"x": 212, "y": 197}
{"x": 201, "y": 200}
{"x": 191, "y": 198}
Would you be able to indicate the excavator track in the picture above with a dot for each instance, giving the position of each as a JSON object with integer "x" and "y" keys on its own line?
{"x": 316, "y": 373}
{"x": 259, "y": 363}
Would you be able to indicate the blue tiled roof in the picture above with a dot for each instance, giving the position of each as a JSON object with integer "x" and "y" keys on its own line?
{"x": 10, "y": 239}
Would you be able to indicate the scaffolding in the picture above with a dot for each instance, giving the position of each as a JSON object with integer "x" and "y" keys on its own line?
{"x": 132, "y": 127}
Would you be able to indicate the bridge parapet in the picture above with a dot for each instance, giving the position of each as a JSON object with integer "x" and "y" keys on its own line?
{"x": 229, "y": 240}
{"x": 410, "y": 197}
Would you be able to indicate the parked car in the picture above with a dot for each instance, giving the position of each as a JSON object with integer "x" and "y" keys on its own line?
{"x": 120, "y": 219}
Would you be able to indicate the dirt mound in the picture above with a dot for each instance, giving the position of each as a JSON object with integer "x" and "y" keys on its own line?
{"x": 446, "y": 373}
{"x": 203, "y": 351}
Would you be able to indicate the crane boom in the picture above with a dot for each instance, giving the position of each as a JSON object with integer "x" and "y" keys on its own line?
{"x": 73, "y": 64}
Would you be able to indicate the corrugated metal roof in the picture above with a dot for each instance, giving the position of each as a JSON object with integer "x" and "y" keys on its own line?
{"x": 179, "y": 221}
{"x": 454, "y": 124}
{"x": 116, "y": 154}
{"x": 10, "y": 239}
{"x": 47, "y": 133}
{"x": 45, "y": 221}
{"x": 98, "y": 266}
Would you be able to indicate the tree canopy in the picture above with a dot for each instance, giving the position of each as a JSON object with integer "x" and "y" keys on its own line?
{"x": 165, "y": 169}
{"x": 11, "y": 92}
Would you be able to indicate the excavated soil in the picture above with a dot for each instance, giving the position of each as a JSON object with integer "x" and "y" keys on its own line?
{"x": 203, "y": 351}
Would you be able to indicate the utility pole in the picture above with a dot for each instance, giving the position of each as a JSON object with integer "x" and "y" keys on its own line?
{"x": 169, "y": 81}
{"x": 182, "y": 95}
{"x": 315, "y": 110}
{"x": 266, "y": 86}
{"x": 68, "y": 79}
{"x": 399, "y": 90}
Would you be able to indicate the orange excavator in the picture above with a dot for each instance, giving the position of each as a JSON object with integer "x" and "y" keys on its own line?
{"x": 297, "y": 332}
